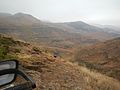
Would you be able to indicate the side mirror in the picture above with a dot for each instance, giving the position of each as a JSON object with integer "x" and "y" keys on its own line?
{"x": 7, "y": 71}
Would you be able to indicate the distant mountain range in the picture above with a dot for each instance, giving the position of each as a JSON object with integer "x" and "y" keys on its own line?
{"x": 110, "y": 28}
{"x": 92, "y": 31}
{"x": 65, "y": 35}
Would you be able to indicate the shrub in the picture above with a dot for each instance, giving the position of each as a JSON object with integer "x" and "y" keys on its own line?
{"x": 36, "y": 49}
{"x": 3, "y": 51}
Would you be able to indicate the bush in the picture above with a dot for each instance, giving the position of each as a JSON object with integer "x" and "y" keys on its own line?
{"x": 36, "y": 49}
{"x": 7, "y": 41}
{"x": 3, "y": 51}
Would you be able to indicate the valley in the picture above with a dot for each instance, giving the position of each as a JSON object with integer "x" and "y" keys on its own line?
{"x": 64, "y": 56}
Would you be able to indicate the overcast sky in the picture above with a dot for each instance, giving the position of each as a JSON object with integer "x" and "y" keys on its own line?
{"x": 91, "y": 11}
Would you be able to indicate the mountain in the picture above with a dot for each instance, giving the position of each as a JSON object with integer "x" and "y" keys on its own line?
{"x": 82, "y": 27}
{"x": 30, "y": 29}
{"x": 110, "y": 28}
{"x": 91, "y": 31}
{"x": 17, "y": 20}
{"x": 61, "y": 35}
{"x": 103, "y": 57}
{"x": 52, "y": 73}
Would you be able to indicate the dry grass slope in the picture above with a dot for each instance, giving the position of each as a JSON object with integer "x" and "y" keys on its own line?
{"x": 54, "y": 73}
{"x": 103, "y": 57}
{"x": 61, "y": 75}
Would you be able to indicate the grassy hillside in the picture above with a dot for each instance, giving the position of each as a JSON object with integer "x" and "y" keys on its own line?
{"x": 54, "y": 73}
{"x": 12, "y": 49}
{"x": 5, "y": 44}
{"x": 103, "y": 57}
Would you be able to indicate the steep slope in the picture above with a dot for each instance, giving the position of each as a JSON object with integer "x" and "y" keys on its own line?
{"x": 11, "y": 49}
{"x": 103, "y": 57}
{"x": 54, "y": 73}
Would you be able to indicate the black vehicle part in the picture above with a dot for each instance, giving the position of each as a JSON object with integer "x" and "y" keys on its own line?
{"x": 21, "y": 73}
{"x": 22, "y": 86}
{"x": 8, "y": 71}
{"x": 29, "y": 85}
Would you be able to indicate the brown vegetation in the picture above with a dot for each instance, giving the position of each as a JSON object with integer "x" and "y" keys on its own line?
{"x": 103, "y": 57}
{"x": 55, "y": 73}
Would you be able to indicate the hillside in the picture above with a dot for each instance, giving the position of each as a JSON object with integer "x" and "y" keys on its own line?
{"x": 12, "y": 49}
{"x": 54, "y": 73}
{"x": 103, "y": 57}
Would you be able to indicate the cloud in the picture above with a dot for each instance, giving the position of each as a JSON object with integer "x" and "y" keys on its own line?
{"x": 99, "y": 11}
